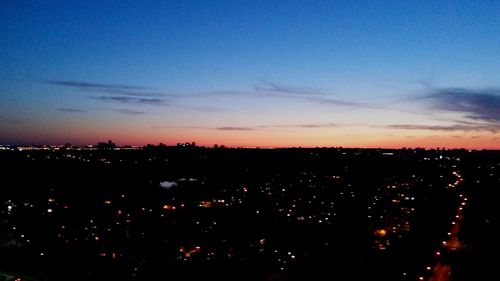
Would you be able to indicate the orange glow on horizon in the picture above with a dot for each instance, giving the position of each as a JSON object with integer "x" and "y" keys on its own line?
{"x": 441, "y": 142}
{"x": 307, "y": 138}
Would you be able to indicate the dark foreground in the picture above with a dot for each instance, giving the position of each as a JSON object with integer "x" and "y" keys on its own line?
{"x": 189, "y": 213}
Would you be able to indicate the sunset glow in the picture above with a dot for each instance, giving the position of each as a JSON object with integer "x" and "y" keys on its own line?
{"x": 245, "y": 73}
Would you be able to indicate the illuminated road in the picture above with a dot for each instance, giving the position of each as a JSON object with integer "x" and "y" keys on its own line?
{"x": 441, "y": 271}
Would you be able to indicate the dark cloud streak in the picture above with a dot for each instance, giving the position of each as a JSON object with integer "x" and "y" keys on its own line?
{"x": 129, "y": 112}
{"x": 142, "y": 95}
{"x": 309, "y": 94}
{"x": 132, "y": 100}
{"x": 71, "y": 110}
{"x": 89, "y": 85}
{"x": 348, "y": 103}
{"x": 235, "y": 128}
{"x": 130, "y": 93}
{"x": 447, "y": 128}
{"x": 272, "y": 87}
{"x": 476, "y": 104}
{"x": 111, "y": 89}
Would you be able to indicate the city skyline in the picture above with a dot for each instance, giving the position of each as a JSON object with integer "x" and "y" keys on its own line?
{"x": 256, "y": 73}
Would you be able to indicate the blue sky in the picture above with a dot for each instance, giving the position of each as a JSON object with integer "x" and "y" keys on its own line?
{"x": 195, "y": 66}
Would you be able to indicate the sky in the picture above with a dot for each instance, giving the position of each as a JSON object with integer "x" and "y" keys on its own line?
{"x": 251, "y": 73}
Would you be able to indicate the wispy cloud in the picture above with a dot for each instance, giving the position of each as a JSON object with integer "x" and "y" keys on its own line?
{"x": 480, "y": 109}
{"x": 123, "y": 93}
{"x": 447, "y": 128}
{"x": 90, "y": 85}
{"x": 129, "y": 112}
{"x": 493, "y": 128}
{"x": 329, "y": 101}
{"x": 116, "y": 93}
{"x": 177, "y": 127}
{"x": 234, "y": 128}
{"x": 324, "y": 100}
{"x": 132, "y": 100}
{"x": 308, "y": 126}
{"x": 121, "y": 111}
{"x": 285, "y": 126}
{"x": 259, "y": 127}
{"x": 131, "y": 93}
{"x": 207, "y": 108}
{"x": 111, "y": 89}
{"x": 475, "y": 104}
{"x": 272, "y": 87}
{"x": 71, "y": 110}
{"x": 308, "y": 94}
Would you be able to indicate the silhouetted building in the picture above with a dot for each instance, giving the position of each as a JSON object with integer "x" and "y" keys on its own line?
{"x": 106, "y": 145}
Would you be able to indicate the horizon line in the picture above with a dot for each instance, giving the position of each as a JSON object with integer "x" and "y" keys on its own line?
{"x": 257, "y": 146}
